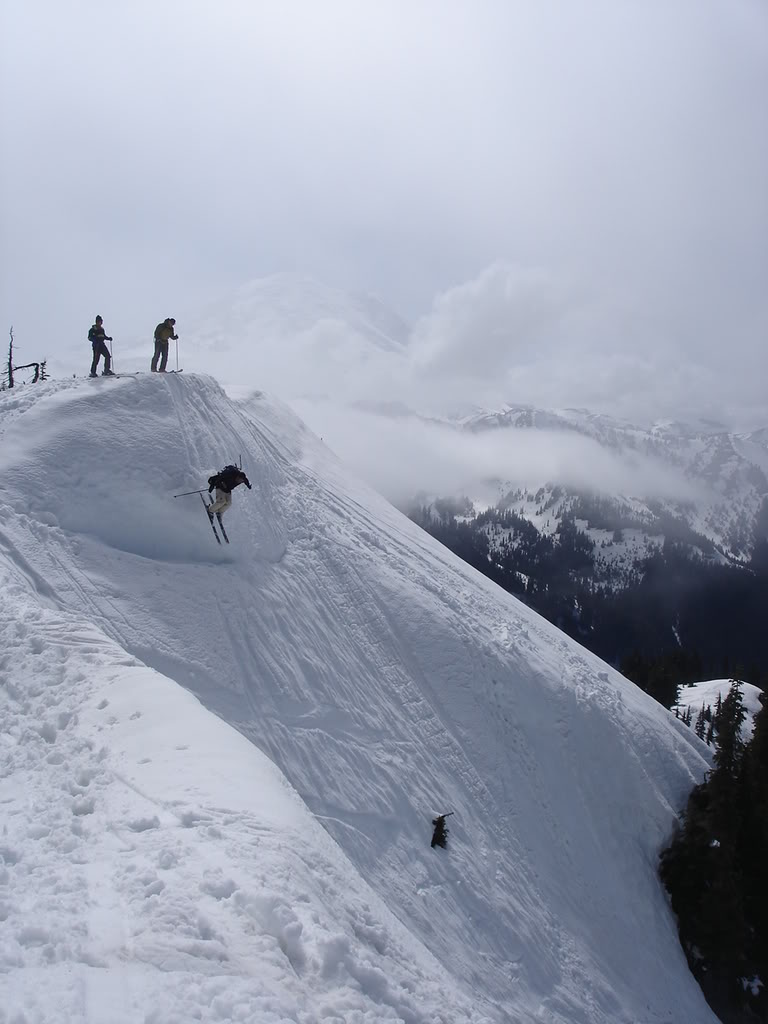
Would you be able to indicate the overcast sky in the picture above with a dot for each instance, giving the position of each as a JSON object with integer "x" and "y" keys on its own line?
{"x": 573, "y": 193}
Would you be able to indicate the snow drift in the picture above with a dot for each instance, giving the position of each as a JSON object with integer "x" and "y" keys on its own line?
{"x": 159, "y": 865}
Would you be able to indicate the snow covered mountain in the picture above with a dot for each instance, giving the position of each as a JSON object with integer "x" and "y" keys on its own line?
{"x": 281, "y": 307}
{"x": 297, "y": 334}
{"x": 723, "y": 477}
{"x": 219, "y": 766}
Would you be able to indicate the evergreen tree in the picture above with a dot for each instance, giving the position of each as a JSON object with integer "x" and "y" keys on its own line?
{"x": 728, "y": 722}
{"x": 753, "y": 837}
{"x": 715, "y": 869}
{"x": 701, "y": 724}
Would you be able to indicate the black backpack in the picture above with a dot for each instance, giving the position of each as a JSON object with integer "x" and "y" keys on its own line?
{"x": 216, "y": 480}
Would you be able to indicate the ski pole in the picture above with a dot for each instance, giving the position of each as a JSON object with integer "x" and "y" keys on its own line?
{"x": 177, "y": 355}
{"x": 184, "y": 493}
{"x": 111, "y": 357}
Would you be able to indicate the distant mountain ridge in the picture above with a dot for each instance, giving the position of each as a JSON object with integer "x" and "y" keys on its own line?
{"x": 729, "y": 471}
{"x": 628, "y": 572}
{"x": 303, "y": 339}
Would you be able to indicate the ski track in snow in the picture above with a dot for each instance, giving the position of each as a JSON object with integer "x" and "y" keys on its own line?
{"x": 129, "y": 890}
{"x": 157, "y": 866}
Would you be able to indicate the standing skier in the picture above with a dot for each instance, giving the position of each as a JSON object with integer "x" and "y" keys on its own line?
{"x": 98, "y": 340}
{"x": 163, "y": 334}
{"x": 225, "y": 482}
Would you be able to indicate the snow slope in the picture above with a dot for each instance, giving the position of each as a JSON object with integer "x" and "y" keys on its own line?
{"x": 159, "y": 865}
{"x": 142, "y": 881}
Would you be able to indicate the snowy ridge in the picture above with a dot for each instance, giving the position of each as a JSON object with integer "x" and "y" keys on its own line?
{"x": 378, "y": 680}
{"x": 725, "y": 474}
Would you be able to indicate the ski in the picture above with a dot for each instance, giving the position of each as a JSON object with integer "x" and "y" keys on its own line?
{"x": 221, "y": 527}
{"x": 210, "y": 518}
{"x": 112, "y": 376}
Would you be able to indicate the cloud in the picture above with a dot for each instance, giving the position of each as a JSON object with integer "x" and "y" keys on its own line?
{"x": 404, "y": 456}
{"x": 520, "y": 335}
{"x": 570, "y": 208}
{"x": 487, "y": 326}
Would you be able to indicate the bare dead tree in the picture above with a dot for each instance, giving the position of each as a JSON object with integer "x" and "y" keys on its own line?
{"x": 40, "y": 368}
{"x": 29, "y": 366}
{"x": 10, "y": 361}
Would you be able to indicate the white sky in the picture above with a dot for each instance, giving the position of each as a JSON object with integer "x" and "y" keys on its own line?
{"x": 611, "y": 157}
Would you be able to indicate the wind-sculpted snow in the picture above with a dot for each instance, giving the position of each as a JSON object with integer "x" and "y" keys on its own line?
{"x": 173, "y": 868}
{"x": 156, "y": 867}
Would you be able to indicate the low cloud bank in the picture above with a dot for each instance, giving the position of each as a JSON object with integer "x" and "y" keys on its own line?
{"x": 539, "y": 338}
{"x": 403, "y": 456}
{"x": 511, "y": 335}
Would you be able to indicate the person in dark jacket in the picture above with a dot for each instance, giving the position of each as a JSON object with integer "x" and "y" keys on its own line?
{"x": 98, "y": 339}
{"x": 225, "y": 482}
{"x": 163, "y": 334}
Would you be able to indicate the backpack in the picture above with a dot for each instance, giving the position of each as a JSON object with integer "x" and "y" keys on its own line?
{"x": 219, "y": 478}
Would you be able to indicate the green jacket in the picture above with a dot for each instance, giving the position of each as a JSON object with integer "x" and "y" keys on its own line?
{"x": 164, "y": 332}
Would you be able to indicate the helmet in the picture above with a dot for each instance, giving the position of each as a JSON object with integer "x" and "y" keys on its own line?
{"x": 99, "y": 319}
{"x": 170, "y": 320}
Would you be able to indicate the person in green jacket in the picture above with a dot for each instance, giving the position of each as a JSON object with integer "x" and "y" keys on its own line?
{"x": 163, "y": 334}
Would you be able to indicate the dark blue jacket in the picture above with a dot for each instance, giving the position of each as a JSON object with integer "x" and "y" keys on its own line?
{"x": 97, "y": 334}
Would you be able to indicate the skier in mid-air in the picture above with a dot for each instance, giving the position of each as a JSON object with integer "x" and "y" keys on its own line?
{"x": 98, "y": 339}
{"x": 225, "y": 482}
